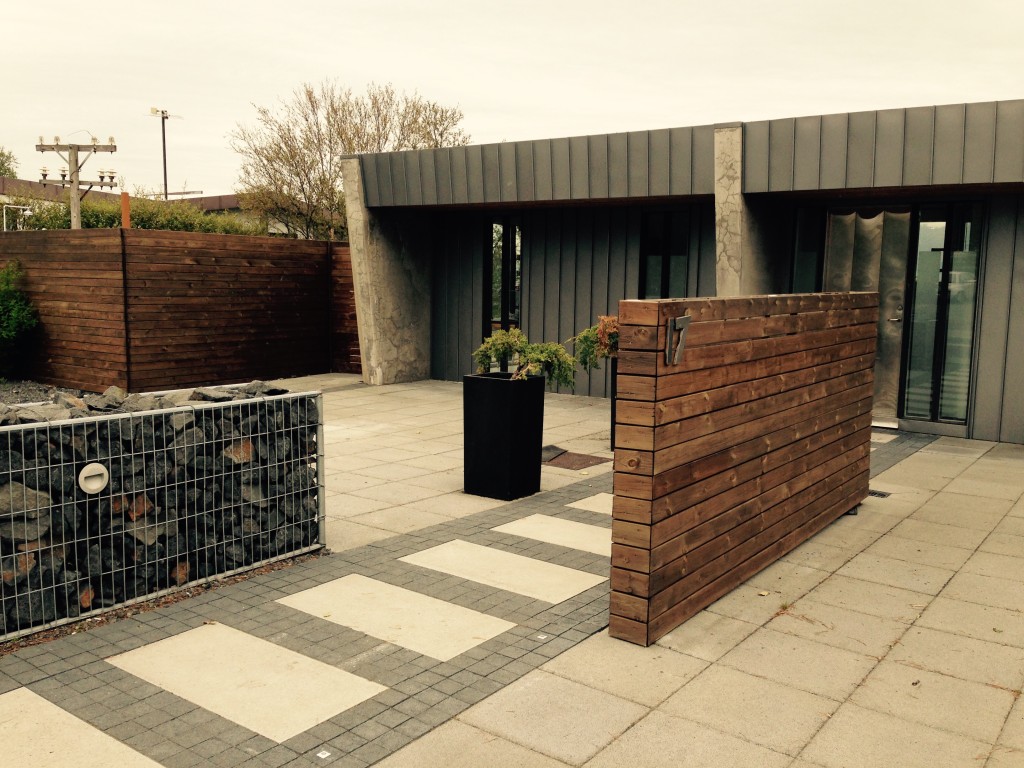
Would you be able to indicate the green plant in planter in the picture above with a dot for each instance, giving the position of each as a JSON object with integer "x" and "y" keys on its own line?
{"x": 597, "y": 342}
{"x": 549, "y": 359}
{"x": 17, "y": 316}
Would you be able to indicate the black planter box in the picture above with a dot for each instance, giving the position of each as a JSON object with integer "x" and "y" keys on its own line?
{"x": 503, "y": 420}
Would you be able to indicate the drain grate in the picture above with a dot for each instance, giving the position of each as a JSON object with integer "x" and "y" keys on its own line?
{"x": 878, "y": 494}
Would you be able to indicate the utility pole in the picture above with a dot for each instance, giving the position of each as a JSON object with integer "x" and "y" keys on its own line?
{"x": 163, "y": 114}
{"x": 75, "y": 167}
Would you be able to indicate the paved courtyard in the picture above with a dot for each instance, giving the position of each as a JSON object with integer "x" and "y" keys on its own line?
{"x": 451, "y": 630}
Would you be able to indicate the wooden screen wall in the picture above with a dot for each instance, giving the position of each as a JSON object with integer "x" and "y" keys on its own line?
{"x": 758, "y": 438}
{"x": 77, "y": 285}
{"x": 148, "y": 310}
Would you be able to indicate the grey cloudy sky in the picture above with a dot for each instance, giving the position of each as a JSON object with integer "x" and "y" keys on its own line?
{"x": 518, "y": 70}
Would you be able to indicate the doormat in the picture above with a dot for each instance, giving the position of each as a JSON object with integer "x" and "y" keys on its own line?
{"x": 548, "y": 452}
{"x": 569, "y": 460}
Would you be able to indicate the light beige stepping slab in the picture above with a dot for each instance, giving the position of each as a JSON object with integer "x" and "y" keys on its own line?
{"x": 564, "y": 533}
{"x": 38, "y": 733}
{"x": 599, "y": 502}
{"x": 504, "y": 570}
{"x": 268, "y": 689}
{"x": 420, "y": 623}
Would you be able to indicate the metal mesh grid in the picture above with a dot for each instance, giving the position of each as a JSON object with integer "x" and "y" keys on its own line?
{"x": 96, "y": 513}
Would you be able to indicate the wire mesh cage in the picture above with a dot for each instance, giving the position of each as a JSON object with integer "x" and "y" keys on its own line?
{"x": 96, "y": 513}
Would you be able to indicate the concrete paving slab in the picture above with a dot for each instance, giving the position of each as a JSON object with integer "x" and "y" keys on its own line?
{"x": 987, "y": 590}
{"x": 645, "y": 675}
{"x": 846, "y": 536}
{"x": 787, "y": 579}
{"x": 839, "y": 627}
{"x": 816, "y": 554}
{"x": 800, "y": 663}
{"x": 922, "y": 552}
{"x": 1000, "y": 566}
{"x": 345, "y": 534}
{"x": 504, "y": 570}
{"x": 599, "y": 502}
{"x": 1005, "y": 757}
{"x": 989, "y": 489}
{"x": 926, "y": 579}
{"x": 555, "y": 716}
{"x": 966, "y": 511}
{"x": 964, "y": 657}
{"x": 707, "y": 635}
{"x": 459, "y": 745}
{"x": 344, "y": 505}
{"x": 1013, "y": 731}
{"x": 262, "y": 686}
{"x": 433, "y": 627}
{"x": 1003, "y": 544}
{"x": 983, "y": 622}
{"x": 1012, "y": 524}
{"x": 564, "y": 533}
{"x": 860, "y": 737}
{"x": 456, "y": 504}
{"x": 870, "y": 597}
{"x": 399, "y": 519}
{"x": 661, "y": 740}
{"x": 39, "y": 733}
{"x": 940, "y": 701}
{"x": 762, "y": 711}
{"x": 396, "y": 493}
{"x": 942, "y": 534}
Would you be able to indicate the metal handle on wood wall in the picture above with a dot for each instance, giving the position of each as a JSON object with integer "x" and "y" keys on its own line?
{"x": 674, "y": 349}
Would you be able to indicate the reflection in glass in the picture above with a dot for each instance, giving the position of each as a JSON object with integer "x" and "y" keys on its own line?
{"x": 917, "y": 402}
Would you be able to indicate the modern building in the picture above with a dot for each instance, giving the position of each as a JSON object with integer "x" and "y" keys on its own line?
{"x": 924, "y": 204}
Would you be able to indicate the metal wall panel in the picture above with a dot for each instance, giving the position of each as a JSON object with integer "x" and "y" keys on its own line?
{"x": 579, "y": 168}
{"x": 475, "y": 174}
{"x": 384, "y": 179}
{"x": 569, "y": 263}
{"x": 561, "y": 189}
{"x": 507, "y": 173}
{"x": 707, "y": 260}
{"x": 524, "y": 171}
{"x": 542, "y": 169}
{"x": 618, "y": 165}
{"x": 1012, "y": 428}
{"x": 917, "y": 146}
{"x": 995, "y": 285}
{"x": 806, "y": 152}
{"x": 781, "y": 141}
{"x": 399, "y": 177}
{"x": 834, "y": 132}
{"x": 1009, "y": 155}
{"x": 659, "y": 163}
{"x": 756, "y": 151}
{"x": 704, "y": 160}
{"x": 443, "y": 166}
{"x": 598, "y": 151}
{"x": 552, "y": 255}
{"x": 460, "y": 175}
{"x": 371, "y": 190}
{"x": 638, "y": 182}
{"x": 948, "y": 162}
{"x": 413, "y": 186}
{"x": 979, "y": 143}
{"x": 860, "y": 151}
{"x": 889, "y": 124}
{"x": 428, "y": 178}
{"x": 680, "y": 161}
{"x": 492, "y": 173}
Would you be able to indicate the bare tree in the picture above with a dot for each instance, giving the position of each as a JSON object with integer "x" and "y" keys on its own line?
{"x": 291, "y": 170}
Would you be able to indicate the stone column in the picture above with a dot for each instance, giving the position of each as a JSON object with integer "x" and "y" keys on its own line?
{"x": 391, "y": 276}
{"x": 741, "y": 265}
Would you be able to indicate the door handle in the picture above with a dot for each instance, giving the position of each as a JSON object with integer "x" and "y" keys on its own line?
{"x": 895, "y": 319}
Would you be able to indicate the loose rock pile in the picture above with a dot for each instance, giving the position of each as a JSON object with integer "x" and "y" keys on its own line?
{"x": 225, "y": 482}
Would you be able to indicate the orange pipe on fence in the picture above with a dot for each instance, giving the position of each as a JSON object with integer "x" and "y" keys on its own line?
{"x": 126, "y": 211}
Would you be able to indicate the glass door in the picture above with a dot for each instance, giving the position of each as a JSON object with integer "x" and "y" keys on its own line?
{"x": 939, "y": 340}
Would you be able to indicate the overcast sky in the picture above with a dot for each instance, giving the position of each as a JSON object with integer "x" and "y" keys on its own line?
{"x": 518, "y": 70}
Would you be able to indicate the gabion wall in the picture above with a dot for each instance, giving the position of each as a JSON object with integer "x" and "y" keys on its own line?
{"x": 98, "y": 512}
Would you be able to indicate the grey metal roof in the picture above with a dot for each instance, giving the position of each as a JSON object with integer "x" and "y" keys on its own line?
{"x": 981, "y": 143}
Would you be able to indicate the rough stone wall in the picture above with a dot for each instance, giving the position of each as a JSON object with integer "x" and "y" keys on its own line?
{"x": 192, "y": 492}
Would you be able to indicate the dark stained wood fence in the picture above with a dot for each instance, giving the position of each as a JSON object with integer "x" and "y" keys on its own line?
{"x": 148, "y": 310}
{"x": 757, "y": 439}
